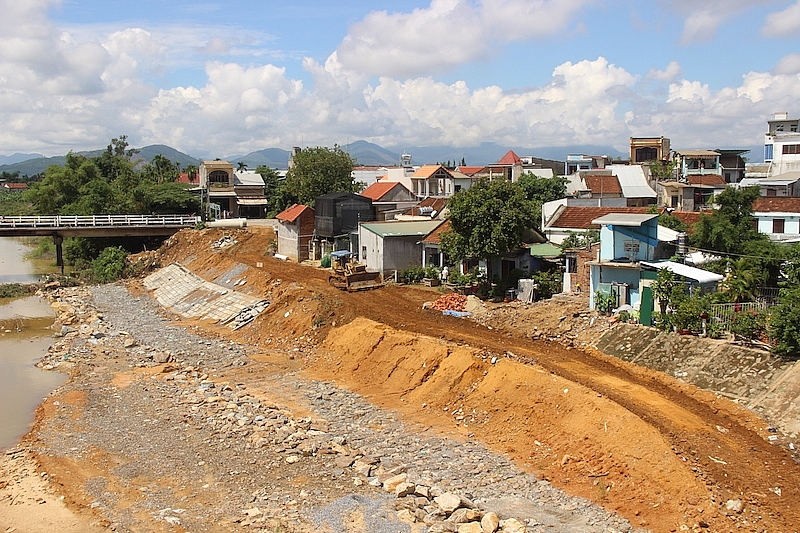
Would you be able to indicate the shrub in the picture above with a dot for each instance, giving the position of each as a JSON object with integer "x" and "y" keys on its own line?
{"x": 110, "y": 265}
{"x": 549, "y": 283}
{"x": 688, "y": 310}
{"x": 604, "y": 302}
{"x": 749, "y": 325}
{"x": 663, "y": 321}
{"x": 416, "y": 274}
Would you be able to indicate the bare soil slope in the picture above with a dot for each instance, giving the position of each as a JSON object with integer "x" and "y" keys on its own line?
{"x": 665, "y": 455}
{"x": 657, "y": 451}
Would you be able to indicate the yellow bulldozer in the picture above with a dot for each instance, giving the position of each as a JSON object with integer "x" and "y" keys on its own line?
{"x": 351, "y": 276}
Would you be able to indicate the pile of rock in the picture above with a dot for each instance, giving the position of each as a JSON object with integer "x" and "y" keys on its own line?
{"x": 450, "y": 302}
{"x": 444, "y": 511}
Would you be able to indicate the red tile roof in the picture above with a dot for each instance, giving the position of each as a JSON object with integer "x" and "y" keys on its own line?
{"x": 379, "y": 189}
{"x": 687, "y": 217}
{"x": 706, "y": 179}
{"x": 469, "y": 171}
{"x": 581, "y": 217}
{"x": 433, "y": 237}
{"x": 184, "y": 178}
{"x": 290, "y": 214}
{"x": 436, "y": 204}
{"x": 777, "y": 204}
{"x": 13, "y": 185}
{"x": 603, "y": 184}
{"x": 510, "y": 159}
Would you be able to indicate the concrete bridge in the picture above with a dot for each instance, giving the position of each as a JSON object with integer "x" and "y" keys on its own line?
{"x": 60, "y": 226}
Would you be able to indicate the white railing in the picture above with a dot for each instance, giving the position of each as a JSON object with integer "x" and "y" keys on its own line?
{"x": 97, "y": 221}
{"x": 724, "y": 314}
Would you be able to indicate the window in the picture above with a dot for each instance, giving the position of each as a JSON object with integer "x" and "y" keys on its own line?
{"x": 218, "y": 176}
{"x": 791, "y": 149}
{"x": 777, "y": 225}
{"x": 767, "y": 152}
{"x": 779, "y": 127}
{"x": 794, "y": 128}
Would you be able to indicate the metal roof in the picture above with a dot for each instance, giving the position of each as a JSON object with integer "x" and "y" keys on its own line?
{"x": 624, "y": 219}
{"x": 686, "y": 271}
{"x": 411, "y": 228}
{"x": 546, "y": 250}
{"x": 698, "y": 153}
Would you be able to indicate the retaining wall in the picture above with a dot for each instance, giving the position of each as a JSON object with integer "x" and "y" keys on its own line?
{"x": 766, "y": 384}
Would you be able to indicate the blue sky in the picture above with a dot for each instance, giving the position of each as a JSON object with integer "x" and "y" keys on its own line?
{"x": 219, "y": 78}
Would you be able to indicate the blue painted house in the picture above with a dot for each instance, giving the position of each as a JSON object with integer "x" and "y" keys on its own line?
{"x": 629, "y": 261}
{"x": 626, "y": 239}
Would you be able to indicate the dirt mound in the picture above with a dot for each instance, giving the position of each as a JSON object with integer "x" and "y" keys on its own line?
{"x": 561, "y": 430}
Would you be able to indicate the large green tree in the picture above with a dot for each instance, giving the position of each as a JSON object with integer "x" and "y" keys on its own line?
{"x": 62, "y": 186}
{"x": 160, "y": 170}
{"x": 487, "y": 220}
{"x": 541, "y": 190}
{"x": 730, "y": 229}
{"x": 318, "y": 171}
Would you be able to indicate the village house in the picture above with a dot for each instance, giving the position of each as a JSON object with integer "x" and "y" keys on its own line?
{"x": 778, "y": 217}
{"x": 629, "y": 260}
{"x": 337, "y": 217}
{"x": 235, "y": 194}
{"x": 389, "y": 247}
{"x": 295, "y": 231}
{"x": 389, "y": 199}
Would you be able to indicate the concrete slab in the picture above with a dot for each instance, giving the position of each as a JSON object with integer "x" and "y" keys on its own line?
{"x": 190, "y": 296}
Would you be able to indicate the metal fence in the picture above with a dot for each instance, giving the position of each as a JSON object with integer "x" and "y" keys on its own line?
{"x": 723, "y": 314}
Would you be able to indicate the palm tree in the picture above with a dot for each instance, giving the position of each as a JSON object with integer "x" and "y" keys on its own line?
{"x": 242, "y": 166}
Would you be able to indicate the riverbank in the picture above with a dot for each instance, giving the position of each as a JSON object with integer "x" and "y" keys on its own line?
{"x": 160, "y": 427}
{"x": 295, "y": 421}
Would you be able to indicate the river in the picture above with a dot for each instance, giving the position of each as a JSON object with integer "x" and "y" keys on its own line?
{"x": 24, "y": 339}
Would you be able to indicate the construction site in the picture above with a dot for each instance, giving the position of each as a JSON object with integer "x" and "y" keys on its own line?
{"x": 663, "y": 432}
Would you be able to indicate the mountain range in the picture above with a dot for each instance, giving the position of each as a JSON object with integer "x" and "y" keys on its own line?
{"x": 365, "y": 153}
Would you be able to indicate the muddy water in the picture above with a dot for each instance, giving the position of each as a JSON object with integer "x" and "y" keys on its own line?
{"x": 24, "y": 338}
{"x": 13, "y": 266}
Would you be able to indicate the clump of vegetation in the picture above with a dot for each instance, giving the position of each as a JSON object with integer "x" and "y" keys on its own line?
{"x": 749, "y": 325}
{"x": 604, "y": 302}
{"x": 416, "y": 274}
{"x": 15, "y": 290}
{"x": 110, "y": 265}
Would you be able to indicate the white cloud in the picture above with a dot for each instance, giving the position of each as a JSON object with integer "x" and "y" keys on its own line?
{"x": 702, "y": 18}
{"x": 448, "y": 33}
{"x": 784, "y": 23}
{"x": 789, "y": 64}
{"x": 63, "y": 89}
{"x": 669, "y": 74}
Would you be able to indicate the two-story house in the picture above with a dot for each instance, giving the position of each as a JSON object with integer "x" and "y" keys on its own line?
{"x": 235, "y": 194}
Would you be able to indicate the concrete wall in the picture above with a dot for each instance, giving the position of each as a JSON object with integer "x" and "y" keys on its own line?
{"x": 768, "y": 385}
{"x": 289, "y": 239}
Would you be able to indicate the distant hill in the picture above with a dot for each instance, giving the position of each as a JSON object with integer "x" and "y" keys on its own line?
{"x": 38, "y": 165}
{"x": 17, "y": 158}
{"x": 147, "y": 153}
{"x": 365, "y": 153}
{"x": 269, "y": 157}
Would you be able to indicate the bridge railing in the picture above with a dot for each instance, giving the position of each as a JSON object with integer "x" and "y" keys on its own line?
{"x": 95, "y": 221}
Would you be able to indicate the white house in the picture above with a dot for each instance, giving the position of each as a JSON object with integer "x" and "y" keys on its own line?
{"x": 782, "y": 144}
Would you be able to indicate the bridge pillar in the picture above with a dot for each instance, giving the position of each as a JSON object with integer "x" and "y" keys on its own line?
{"x": 58, "y": 240}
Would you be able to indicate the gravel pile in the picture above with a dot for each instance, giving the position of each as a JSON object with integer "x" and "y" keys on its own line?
{"x": 190, "y": 444}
